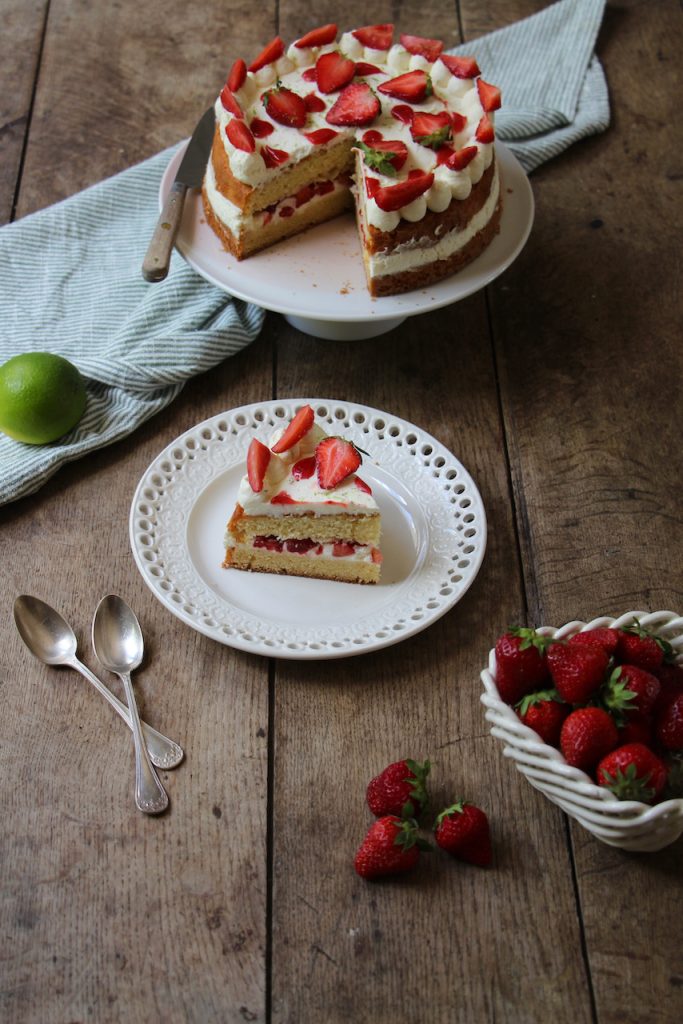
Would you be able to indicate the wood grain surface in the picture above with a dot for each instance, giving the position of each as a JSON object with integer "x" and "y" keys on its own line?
{"x": 557, "y": 387}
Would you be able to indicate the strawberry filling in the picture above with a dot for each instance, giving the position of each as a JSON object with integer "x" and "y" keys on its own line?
{"x": 287, "y": 207}
{"x": 306, "y": 546}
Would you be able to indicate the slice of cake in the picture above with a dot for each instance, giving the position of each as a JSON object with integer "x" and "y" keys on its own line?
{"x": 302, "y": 510}
{"x": 402, "y": 131}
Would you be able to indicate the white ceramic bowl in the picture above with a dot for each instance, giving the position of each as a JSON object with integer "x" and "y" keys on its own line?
{"x": 629, "y": 824}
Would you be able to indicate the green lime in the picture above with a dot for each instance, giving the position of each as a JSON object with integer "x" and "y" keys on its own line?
{"x": 41, "y": 397}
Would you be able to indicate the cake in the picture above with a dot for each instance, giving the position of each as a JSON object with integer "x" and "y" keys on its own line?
{"x": 401, "y": 131}
{"x": 302, "y": 510}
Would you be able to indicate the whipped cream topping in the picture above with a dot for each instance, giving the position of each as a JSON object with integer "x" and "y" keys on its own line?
{"x": 450, "y": 93}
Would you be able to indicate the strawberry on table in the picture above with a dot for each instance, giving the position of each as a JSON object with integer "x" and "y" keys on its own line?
{"x": 543, "y": 712}
{"x": 413, "y": 86}
{"x": 606, "y": 638}
{"x": 639, "y": 647}
{"x": 335, "y": 459}
{"x": 521, "y": 665}
{"x": 285, "y": 107}
{"x": 355, "y": 105}
{"x": 633, "y": 772}
{"x": 669, "y": 725}
{"x": 297, "y": 428}
{"x": 631, "y": 689}
{"x": 577, "y": 671}
{"x": 258, "y": 457}
{"x": 463, "y": 831}
{"x": 587, "y": 735}
{"x": 391, "y": 846}
{"x": 333, "y": 71}
{"x": 399, "y": 789}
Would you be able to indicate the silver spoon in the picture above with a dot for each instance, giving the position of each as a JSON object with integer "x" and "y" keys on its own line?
{"x": 117, "y": 640}
{"x": 51, "y": 639}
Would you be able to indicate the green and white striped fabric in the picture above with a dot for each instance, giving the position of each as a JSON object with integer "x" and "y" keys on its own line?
{"x": 71, "y": 280}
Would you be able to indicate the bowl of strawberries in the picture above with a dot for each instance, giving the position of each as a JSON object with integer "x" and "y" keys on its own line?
{"x": 592, "y": 714}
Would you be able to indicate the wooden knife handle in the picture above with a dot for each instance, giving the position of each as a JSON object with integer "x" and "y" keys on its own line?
{"x": 158, "y": 257}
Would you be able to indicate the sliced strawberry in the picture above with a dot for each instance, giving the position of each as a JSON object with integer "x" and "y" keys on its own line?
{"x": 431, "y": 130}
{"x": 413, "y": 87}
{"x": 258, "y": 457}
{"x": 304, "y": 468}
{"x": 489, "y": 95}
{"x": 375, "y": 37}
{"x": 485, "y": 132}
{"x": 274, "y": 157}
{"x": 458, "y": 121}
{"x": 229, "y": 103}
{"x": 462, "y": 157}
{"x": 238, "y": 73}
{"x": 403, "y": 113}
{"x": 286, "y": 211}
{"x": 384, "y": 155}
{"x": 240, "y": 136}
{"x": 323, "y": 187}
{"x": 356, "y": 105}
{"x": 300, "y": 425}
{"x": 371, "y": 136}
{"x": 303, "y": 195}
{"x": 461, "y": 67}
{"x": 333, "y": 71}
{"x": 309, "y": 75}
{"x": 393, "y": 197}
{"x": 271, "y": 52}
{"x": 443, "y": 154}
{"x": 285, "y": 107}
{"x": 320, "y": 136}
{"x": 372, "y": 186}
{"x": 377, "y": 556}
{"x": 362, "y": 486}
{"x": 335, "y": 459}
{"x": 342, "y": 548}
{"x": 317, "y": 37}
{"x": 261, "y": 129}
{"x": 314, "y": 103}
{"x": 427, "y": 48}
{"x": 363, "y": 68}
{"x": 282, "y": 498}
{"x": 270, "y": 543}
{"x": 299, "y": 546}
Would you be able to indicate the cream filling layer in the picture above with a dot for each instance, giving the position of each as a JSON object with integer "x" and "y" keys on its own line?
{"x": 361, "y": 552}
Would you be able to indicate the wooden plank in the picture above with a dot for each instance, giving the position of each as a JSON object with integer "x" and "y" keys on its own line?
{"x": 452, "y": 942}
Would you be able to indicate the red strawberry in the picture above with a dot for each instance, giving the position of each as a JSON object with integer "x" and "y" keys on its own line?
{"x": 342, "y": 548}
{"x": 635, "y": 728}
{"x": 544, "y": 713}
{"x": 333, "y": 71}
{"x": 375, "y": 37}
{"x": 304, "y": 468}
{"x": 372, "y": 186}
{"x": 521, "y": 666}
{"x": 671, "y": 684}
{"x": 317, "y": 37}
{"x": 283, "y": 498}
{"x": 461, "y": 67}
{"x": 274, "y": 157}
{"x": 320, "y": 136}
{"x": 238, "y": 73}
{"x": 403, "y": 113}
{"x": 268, "y": 54}
{"x": 462, "y": 157}
{"x": 427, "y": 48}
{"x": 633, "y": 772}
{"x": 260, "y": 129}
{"x": 362, "y": 486}
{"x": 399, "y": 789}
{"x": 605, "y": 638}
{"x": 393, "y": 197}
{"x": 258, "y": 457}
{"x": 432, "y": 130}
{"x": 485, "y": 132}
{"x": 587, "y": 735}
{"x": 459, "y": 121}
{"x": 669, "y": 725}
{"x": 285, "y": 107}
{"x": 229, "y": 103}
{"x": 443, "y": 155}
{"x": 390, "y": 847}
{"x": 362, "y": 69}
{"x": 638, "y": 647}
{"x": 335, "y": 459}
{"x": 308, "y": 75}
{"x": 240, "y": 136}
{"x": 577, "y": 672}
{"x": 414, "y": 86}
{"x": 384, "y": 155}
{"x": 355, "y": 105}
{"x": 463, "y": 831}
{"x": 297, "y": 428}
{"x": 314, "y": 103}
{"x": 489, "y": 95}
{"x": 631, "y": 689}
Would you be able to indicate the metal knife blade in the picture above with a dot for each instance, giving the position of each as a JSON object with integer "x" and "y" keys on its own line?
{"x": 190, "y": 174}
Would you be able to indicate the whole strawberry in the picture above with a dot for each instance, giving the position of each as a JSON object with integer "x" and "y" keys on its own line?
{"x": 400, "y": 789}
{"x": 587, "y": 735}
{"x": 633, "y": 772}
{"x": 669, "y": 725}
{"x": 631, "y": 689}
{"x": 463, "y": 831}
{"x": 520, "y": 663}
{"x": 391, "y": 846}
{"x": 670, "y": 684}
{"x": 635, "y": 728}
{"x": 645, "y": 650}
{"x": 577, "y": 670}
{"x": 608, "y": 639}
{"x": 543, "y": 712}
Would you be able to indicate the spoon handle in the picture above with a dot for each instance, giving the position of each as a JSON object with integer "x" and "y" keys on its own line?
{"x": 163, "y": 752}
{"x": 150, "y": 795}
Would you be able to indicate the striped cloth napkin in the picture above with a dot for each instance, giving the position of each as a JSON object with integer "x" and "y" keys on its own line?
{"x": 71, "y": 273}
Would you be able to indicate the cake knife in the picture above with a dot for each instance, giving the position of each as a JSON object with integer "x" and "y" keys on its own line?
{"x": 190, "y": 174}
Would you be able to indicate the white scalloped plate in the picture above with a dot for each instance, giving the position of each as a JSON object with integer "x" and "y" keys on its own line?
{"x": 433, "y": 537}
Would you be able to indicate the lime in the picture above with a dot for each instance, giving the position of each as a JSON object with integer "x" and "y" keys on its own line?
{"x": 41, "y": 397}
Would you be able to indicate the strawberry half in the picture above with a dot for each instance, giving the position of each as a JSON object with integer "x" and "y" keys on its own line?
{"x": 356, "y": 105}
{"x": 633, "y": 772}
{"x": 260, "y": 129}
{"x": 394, "y": 197}
{"x": 285, "y": 107}
{"x": 403, "y": 113}
{"x": 485, "y": 132}
{"x": 384, "y": 155}
{"x": 240, "y": 136}
{"x": 489, "y": 95}
{"x": 375, "y": 37}
{"x": 413, "y": 87}
{"x": 268, "y": 54}
{"x": 314, "y": 103}
{"x": 432, "y": 130}
{"x": 258, "y": 457}
{"x": 459, "y": 160}
{"x": 317, "y": 37}
{"x": 238, "y": 73}
{"x": 229, "y": 103}
{"x": 461, "y": 67}
{"x": 363, "y": 68}
{"x": 333, "y": 71}
{"x": 298, "y": 427}
{"x": 320, "y": 136}
{"x": 427, "y": 48}
{"x": 335, "y": 459}
{"x": 274, "y": 157}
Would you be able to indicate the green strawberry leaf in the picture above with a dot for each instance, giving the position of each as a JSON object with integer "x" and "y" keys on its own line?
{"x": 378, "y": 160}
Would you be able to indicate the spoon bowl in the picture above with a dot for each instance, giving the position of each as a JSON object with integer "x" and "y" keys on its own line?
{"x": 47, "y": 635}
{"x": 116, "y": 635}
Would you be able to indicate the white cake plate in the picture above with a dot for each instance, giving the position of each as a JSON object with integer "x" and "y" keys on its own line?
{"x": 316, "y": 280}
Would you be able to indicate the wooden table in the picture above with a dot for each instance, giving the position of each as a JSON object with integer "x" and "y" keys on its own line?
{"x": 241, "y": 904}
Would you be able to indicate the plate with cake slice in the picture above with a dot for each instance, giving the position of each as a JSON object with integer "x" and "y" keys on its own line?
{"x": 307, "y": 528}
